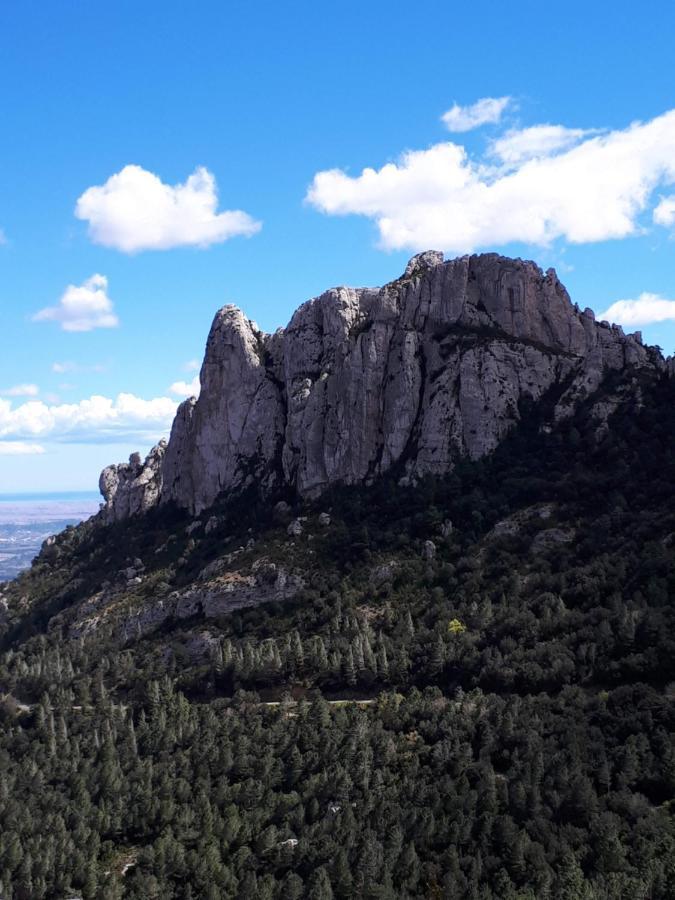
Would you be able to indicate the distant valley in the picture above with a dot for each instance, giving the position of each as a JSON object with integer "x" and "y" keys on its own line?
{"x": 26, "y": 521}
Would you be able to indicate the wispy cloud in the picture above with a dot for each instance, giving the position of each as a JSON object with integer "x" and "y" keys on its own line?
{"x": 134, "y": 210}
{"x": 20, "y": 448}
{"x": 82, "y": 307}
{"x": 68, "y": 366}
{"x": 521, "y": 144}
{"x": 486, "y": 111}
{"x": 443, "y": 198}
{"x": 21, "y": 390}
{"x": 62, "y": 367}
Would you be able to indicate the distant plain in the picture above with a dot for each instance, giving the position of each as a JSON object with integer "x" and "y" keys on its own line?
{"x": 26, "y": 520}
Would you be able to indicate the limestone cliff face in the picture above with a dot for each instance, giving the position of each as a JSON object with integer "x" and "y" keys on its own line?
{"x": 417, "y": 374}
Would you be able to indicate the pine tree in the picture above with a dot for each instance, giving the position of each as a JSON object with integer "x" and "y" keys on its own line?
{"x": 297, "y": 653}
{"x": 320, "y": 887}
{"x": 357, "y": 653}
{"x": 437, "y": 659}
{"x": 349, "y": 668}
{"x": 320, "y": 660}
{"x": 570, "y": 882}
{"x": 292, "y": 887}
{"x": 382, "y": 660}
{"x": 342, "y": 876}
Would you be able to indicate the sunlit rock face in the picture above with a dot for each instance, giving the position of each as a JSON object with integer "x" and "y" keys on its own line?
{"x": 415, "y": 375}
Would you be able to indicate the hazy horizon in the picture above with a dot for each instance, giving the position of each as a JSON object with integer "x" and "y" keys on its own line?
{"x": 26, "y": 520}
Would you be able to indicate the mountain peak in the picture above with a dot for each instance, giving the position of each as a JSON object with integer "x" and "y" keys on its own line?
{"x": 426, "y": 260}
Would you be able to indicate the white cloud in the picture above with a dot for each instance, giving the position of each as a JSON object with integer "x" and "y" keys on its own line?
{"x": 134, "y": 210}
{"x": 486, "y": 111}
{"x": 82, "y": 307}
{"x": 62, "y": 368}
{"x": 442, "y": 198}
{"x": 186, "y": 388}
{"x": 520, "y": 144}
{"x": 664, "y": 212}
{"x": 646, "y": 309}
{"x": 192, "y": 365}
{"x": 21, "y": 390}
{"x": 19, "y": 448}
{"x": 94, "y": 420}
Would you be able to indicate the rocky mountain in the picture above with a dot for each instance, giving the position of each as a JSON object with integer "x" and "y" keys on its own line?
{"x": 420, "y": 643}
{"x": 431, "y": 368}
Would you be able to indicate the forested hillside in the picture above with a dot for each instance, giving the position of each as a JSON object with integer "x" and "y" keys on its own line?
{"x": 468, "y": 693}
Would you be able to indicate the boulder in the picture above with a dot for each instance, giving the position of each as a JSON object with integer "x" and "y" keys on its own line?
{"x": 211, "y": 525}
{"x": 446, "y": 528}
{"x": 384, "y": 573}
{"x": 428, "y": 550}
{"x": 295, "y": 529}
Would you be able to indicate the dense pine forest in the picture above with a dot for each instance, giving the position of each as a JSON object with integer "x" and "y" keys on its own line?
{"x": 471, "y": 696}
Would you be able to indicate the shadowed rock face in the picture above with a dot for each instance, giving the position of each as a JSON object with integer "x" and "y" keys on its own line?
{"x": 428, "y": 369}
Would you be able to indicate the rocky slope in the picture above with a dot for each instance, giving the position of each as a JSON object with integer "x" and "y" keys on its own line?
{"x": 409, "y": 377}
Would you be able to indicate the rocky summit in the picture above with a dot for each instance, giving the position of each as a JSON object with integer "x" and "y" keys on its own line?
{"x": 410, "y": 377}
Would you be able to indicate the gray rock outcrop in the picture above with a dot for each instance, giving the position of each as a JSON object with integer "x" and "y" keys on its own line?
{"x": 295, "y": 529}
{"x": 428, "y": 369}
{"x": 221, "y": 591}
{"x": 428, "y": 551}
{"x": 130, "y": 489}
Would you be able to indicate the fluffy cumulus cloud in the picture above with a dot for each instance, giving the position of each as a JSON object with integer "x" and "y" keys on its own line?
{"x": 94, "y": 420}
{"x": 20, "y": 448}
{"x": 664, "y": 212}
{"x": 486, "y": 111}
{"x": 134, "y": 210}
{"x": 82, "y": 307}
{"x": 186, "y": 388}
{"x": 541, "y": 190}
{"x": 21, "y": 390}
{"x": 648, "y": 308}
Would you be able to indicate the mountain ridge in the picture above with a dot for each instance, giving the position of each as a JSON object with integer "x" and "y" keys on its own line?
{"x": 429, "y": 369}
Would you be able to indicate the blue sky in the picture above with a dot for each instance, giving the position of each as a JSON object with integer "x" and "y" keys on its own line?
{"x": 264, "y": 97}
